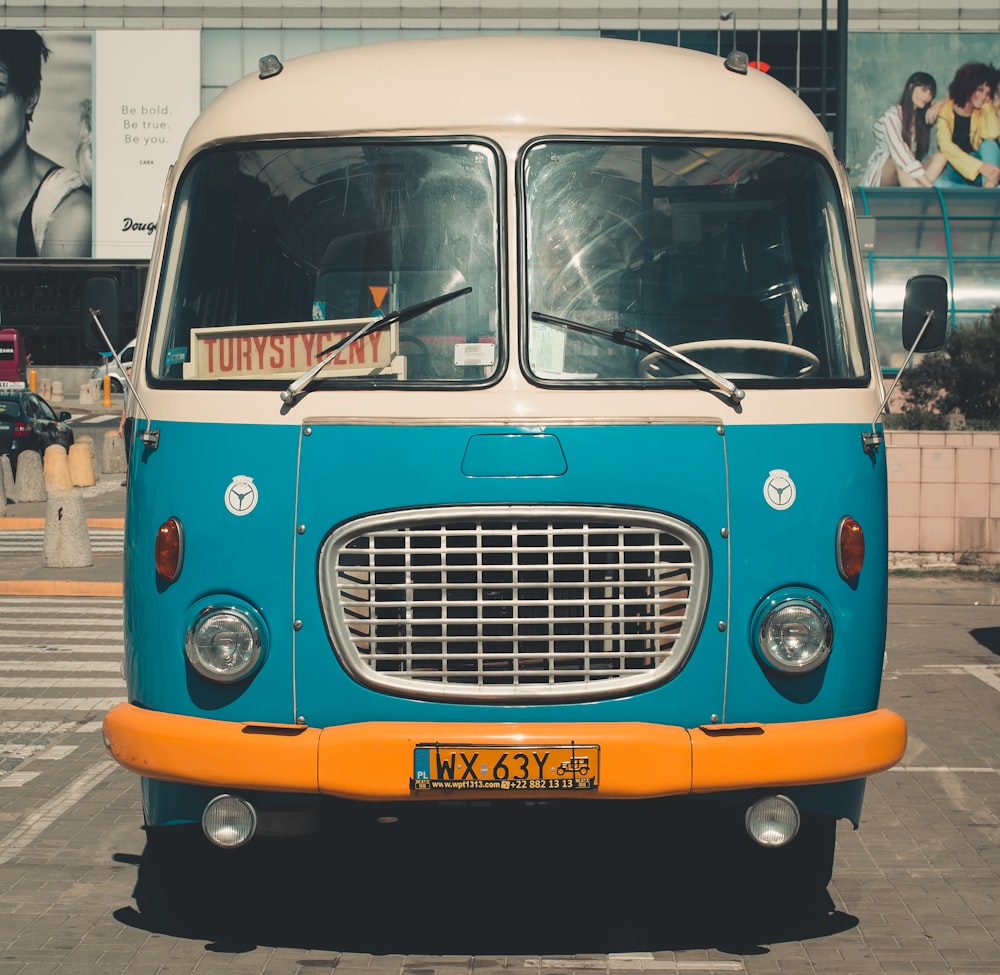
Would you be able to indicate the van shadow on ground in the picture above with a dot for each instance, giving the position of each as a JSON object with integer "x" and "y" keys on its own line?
{"x": 470, "y": 886}
{"x": 987, "y": 637}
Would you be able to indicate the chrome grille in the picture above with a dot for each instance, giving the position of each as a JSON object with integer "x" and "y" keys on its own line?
{"x": 514, "y": 602}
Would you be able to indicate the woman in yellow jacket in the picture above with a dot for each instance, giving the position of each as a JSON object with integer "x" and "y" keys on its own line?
{"x": 967, "y": 129}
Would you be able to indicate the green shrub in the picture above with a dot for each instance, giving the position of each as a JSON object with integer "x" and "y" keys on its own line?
{"x": 964, "y": 378}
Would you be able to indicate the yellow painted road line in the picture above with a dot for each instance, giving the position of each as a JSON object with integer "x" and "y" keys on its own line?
{"x": 34, "y": 524}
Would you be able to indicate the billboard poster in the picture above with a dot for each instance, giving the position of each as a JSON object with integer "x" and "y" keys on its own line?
{"x": 147, "y": 93}
{"x": 45, "y": 141}
{"x": 899, "y": 114}
{"x": 923, "y": 113}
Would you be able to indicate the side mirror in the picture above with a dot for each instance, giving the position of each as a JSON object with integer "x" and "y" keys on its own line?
{"x": 925, "y": 328}
{"x": 926, "y": 295}
{"x": 100, "y": 293}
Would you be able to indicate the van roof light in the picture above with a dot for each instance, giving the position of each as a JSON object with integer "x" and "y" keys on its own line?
{"x": 270, "y": 65}
{"x": 738, "y": 61}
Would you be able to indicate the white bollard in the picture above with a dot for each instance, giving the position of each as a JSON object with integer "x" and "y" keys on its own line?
{"x": 8, "y": 478}
{"x": 29, "y": 485}
{"x": 86, "y": 438}
{"x": 66, "y": 544}
{"x": 81, "y": 466}
{"x": 55, "y": 465}
{"x": 113, "y": 454}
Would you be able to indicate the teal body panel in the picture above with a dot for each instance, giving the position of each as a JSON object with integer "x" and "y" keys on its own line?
{"x": 310, "y": 480}
{"x": 420, "y": 467}
{"x": 796, "y": 547}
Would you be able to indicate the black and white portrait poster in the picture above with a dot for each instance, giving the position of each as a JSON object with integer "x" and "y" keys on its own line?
{"x": 46, "y": 178}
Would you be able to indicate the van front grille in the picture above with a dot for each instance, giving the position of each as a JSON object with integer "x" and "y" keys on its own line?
{"x": 507, "y": 603}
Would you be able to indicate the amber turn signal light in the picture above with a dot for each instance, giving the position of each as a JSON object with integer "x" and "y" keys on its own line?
{"x": 850, "y": 549}
{"x": 168, "y": 553}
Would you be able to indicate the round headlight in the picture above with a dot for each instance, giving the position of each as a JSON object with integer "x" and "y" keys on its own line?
{"x": 773, "y": 821}
{"x": 223, "y": 643}
{"x": 795, "y": 635}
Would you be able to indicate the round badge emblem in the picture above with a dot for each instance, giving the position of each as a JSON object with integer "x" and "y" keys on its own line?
{"x": 779, "y": 490}
{"x": 241, "y": 495}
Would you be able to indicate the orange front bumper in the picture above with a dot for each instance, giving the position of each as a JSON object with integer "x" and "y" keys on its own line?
{"x": 374, "y": 760}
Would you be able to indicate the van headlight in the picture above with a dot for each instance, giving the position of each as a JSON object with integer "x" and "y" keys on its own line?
{"x": 793, "y": 632}
{"x": 225, "y": 643}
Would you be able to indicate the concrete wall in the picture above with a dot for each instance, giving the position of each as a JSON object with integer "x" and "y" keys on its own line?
{"x": 944, "y": 494}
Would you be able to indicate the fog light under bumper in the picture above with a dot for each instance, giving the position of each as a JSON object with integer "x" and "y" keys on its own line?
{"x": 773, "y": 821}
{"x": 229, "y": 821}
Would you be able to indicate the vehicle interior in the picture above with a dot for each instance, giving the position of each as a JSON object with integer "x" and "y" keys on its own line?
{"x": 731, "y": 255}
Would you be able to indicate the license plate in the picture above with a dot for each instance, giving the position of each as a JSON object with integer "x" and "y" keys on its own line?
{"x": 470, "y": 767}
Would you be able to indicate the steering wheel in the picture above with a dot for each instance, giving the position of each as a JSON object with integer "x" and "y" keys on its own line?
{"x": 418, "y": 357}
{"x": 648, "y": 363}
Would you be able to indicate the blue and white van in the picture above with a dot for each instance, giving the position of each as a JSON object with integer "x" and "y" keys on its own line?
{"x": 506, "y": 428}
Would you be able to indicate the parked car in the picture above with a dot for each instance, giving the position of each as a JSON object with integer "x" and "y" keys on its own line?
{"x": 110, "y": 367}
{"x": 27, "y": 422}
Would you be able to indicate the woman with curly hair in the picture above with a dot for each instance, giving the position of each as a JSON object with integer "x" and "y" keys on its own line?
{"x": 968, "y": 128}
{"x": 902, "y": 137}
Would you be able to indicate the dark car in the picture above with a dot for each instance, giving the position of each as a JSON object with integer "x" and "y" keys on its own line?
{"x": 27, "y": 422}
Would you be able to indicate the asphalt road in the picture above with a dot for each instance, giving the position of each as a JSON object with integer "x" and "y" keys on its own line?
{"x": 915, "y": 889}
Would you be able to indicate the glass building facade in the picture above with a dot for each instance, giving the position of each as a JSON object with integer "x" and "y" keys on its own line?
{"x": 953, "y": 233}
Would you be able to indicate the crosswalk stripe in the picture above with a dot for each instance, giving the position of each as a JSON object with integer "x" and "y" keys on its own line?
{"x": 40, "y": 533}
{"x": 57, "y": 753}
{"x": 36, "y": 727}
{"x": 24, "y": 834}
{"x": 95, "y": 418}
{"x": 78, "y": 610}
{"x": 59, "y": 666}
{"x": 93, "y": 608}
{"x": 14, "y": 780}
{"x": 107, "y": 649}
{"x": 59, "y": 703}
{"x": 50, "y": 649}
{"x": 102, "y": 540}
{"x": 20, "y": 752}
{"x": 90, "y": 627}
{"x": 40, "y": 683}
{"x": 94, "y": 633}
{"x": 97, "y": 604}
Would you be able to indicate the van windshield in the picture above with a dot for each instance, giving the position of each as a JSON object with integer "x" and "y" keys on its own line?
{"x": 278, "y": 252}
{"x": 734, "y": 255}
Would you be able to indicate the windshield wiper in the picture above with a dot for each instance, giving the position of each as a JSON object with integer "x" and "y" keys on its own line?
{"x": 327, "y": 355}
{"x": 636, "y": 339}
